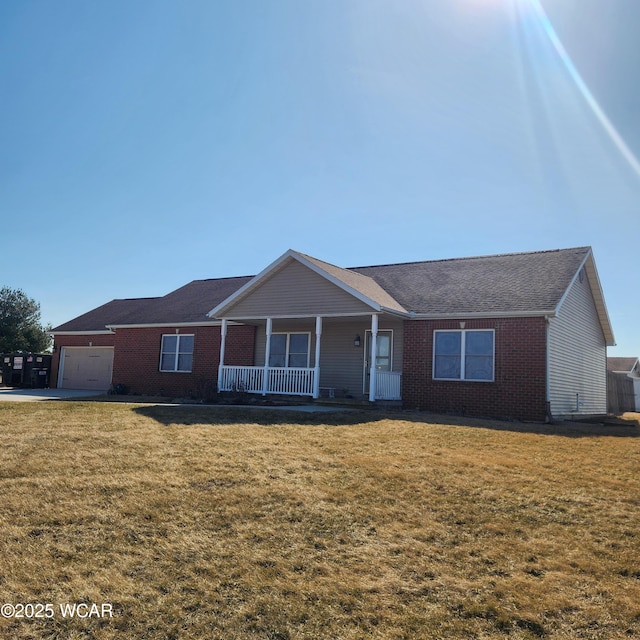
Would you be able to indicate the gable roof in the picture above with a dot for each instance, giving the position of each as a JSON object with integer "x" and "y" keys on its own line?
{"x": 188, "y": 304}
{"x": 621, "y": 364}
{"x": 506, "y": 283}
{"x": 514, "y": 284}
{"x": 96, "y": 320}
{"x": 360, "y": 286}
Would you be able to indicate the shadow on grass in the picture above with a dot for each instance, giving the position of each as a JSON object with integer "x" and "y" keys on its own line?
{"x": 269, "y": 416}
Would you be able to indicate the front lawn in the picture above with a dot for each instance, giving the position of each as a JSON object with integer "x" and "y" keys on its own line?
{"x": 205, "y": 522}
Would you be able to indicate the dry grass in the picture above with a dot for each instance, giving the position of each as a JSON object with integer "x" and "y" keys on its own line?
{"x": 217, "y": 523}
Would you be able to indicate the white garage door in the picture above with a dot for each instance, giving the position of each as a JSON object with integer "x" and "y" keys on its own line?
{"x": 86, "y": 367}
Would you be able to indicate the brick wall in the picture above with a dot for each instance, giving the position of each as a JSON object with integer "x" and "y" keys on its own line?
{"x": 75, "y": 341}
{"x": 137, "y": 359}
{"x": 519, "y": 388}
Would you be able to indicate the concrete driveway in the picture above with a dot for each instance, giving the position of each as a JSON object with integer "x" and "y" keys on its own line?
{"x": 37, "y": 395}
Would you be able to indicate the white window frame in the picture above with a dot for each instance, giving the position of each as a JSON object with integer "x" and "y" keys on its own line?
{"x": 287, "y": 351}
{"x": 179, "y": 336}
{"x": 463, "y": 343}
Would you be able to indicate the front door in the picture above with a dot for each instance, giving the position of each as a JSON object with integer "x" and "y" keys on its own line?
{"x": 384, "y": 355}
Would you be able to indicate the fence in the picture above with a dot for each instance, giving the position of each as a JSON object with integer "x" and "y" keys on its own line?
{"x": 620, "y": 393}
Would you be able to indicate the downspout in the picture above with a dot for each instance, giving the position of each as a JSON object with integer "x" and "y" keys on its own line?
{"x": 549, "y": 415}
{"x": 223, "y": 340}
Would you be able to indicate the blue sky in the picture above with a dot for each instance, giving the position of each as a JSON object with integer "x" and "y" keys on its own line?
{"x": 146, "y": 144}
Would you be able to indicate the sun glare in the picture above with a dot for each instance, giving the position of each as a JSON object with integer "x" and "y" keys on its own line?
{"x": 540, "y": 14}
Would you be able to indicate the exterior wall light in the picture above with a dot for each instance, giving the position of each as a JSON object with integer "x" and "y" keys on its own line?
{"x": 356, "y": 341}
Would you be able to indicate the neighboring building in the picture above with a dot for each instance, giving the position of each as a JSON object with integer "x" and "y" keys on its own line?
{"x": 627, "y": 368}
{"x": 519, "y": 335}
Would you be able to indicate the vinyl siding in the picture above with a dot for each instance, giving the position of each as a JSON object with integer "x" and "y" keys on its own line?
{"x": 341, "y": 364}
{"x": 294, "y": 289}
{"x": 577, "y": 355}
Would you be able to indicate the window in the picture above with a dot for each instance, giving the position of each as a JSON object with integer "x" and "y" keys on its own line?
{"x": 463, "y": 355}
{"x": 289, "y": 350}
{"x": 176, "y": 353}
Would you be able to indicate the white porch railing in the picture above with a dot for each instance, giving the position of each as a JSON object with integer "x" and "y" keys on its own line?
{"x": 296, "y": 381}
{"x": 291, "y": 381}
{"x": 388, "y": 384}
{"x": 280, "y": 380}
{"x": 249, "y": 379}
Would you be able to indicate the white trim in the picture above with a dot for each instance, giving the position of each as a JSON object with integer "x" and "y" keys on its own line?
{"x": 483, "y": 315}
{"x": 80, "y": 333}
{"x": 179, "y": 337}
{"x": 79, "y": 346}
{"x": 547, "y": 336}
{"x": 374, "y": 350}
{"x": 345, "y": 287}
{"x": 588, "y": 264}
{"x": 205, "y": 323}
{"x": 573, "y": 280}
{"x": 267, "y": 356}
{"x": 301, "y": 316}
{"x": 287, "y": 353}
{"x": 463, "y": 344}
{"x": 367, "y": 332}
{"x": 294, "y": 255}
{"x": 223, "y": 341}
{"x": 316, "y": 364}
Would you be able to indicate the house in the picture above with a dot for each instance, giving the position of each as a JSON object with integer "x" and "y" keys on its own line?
{"x": 625, "y": 368}
{"x": 520, "y": 335}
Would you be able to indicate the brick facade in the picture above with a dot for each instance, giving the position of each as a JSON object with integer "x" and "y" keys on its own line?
{"x": 137, "y": 359}
{"x": 136, "y": 362}
{"x": 519, "y": 387}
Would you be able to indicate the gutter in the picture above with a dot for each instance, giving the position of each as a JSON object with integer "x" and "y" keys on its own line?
{"x": 102, "y": 332}
{"x": 210, "y": 323}
{"x": 482, "y": 314}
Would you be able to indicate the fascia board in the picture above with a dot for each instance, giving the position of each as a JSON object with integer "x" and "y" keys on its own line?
{"x": 102, "y": 332}
{"x": 396, "y": 312}
{"x": 306, "y": 316}
{"x": 338, "y": 283}
{"x": 588, "y": 263}
{"x": 310, "y": 265}
{"x": 482, "y": 314}
{"x": 236, "y": 295}
{"x": 205, "y": 323}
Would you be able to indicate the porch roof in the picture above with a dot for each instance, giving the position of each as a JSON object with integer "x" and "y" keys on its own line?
{"x": 361, "y": 287}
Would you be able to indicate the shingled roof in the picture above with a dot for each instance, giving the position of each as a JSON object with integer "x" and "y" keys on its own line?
{"x": 507, "y": 283}
{"x": 621, "y": 364}
{"x": 516, "y": 283}
{"x": 188, "y": 304}
{"x": 117, "y": 311}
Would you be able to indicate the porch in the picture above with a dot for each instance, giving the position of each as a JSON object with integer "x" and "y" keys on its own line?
{"x": 320, "y": 356}
{"x": 296, "y": 381}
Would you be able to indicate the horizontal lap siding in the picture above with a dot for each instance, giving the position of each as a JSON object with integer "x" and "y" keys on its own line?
{"x": 577, "y": 355}
{"x": 341, "y": 364}
{"x": 296, "y": 290}
{"x": 519, "y": 389}
{"x": 137, "y": 359}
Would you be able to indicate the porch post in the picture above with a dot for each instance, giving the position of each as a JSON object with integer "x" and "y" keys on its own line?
{"x": 223, "y": 340}
{"x": 267, "y": 353}
{"x": 316, "y": 369}
{"x": 374, "y": 350}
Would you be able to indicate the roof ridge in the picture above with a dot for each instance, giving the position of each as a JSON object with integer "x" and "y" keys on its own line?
{"x": 495, "y": 255}
{"x": 216, "y": 279}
